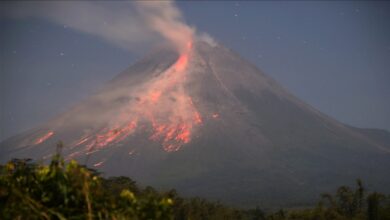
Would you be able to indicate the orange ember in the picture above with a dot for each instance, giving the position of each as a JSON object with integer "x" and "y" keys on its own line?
{"x": 44, "y": 138}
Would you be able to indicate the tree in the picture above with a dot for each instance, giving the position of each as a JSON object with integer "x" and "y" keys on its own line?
{"x": 373, "y": 201}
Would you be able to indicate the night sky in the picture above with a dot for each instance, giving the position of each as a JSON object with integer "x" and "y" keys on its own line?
{"x": 333, "y": 55}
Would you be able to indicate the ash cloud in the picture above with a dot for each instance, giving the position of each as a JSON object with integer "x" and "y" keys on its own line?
{"x": 126, "y": 24}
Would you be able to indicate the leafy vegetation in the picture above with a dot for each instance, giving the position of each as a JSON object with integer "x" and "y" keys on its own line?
{"x": 72, "y": 191}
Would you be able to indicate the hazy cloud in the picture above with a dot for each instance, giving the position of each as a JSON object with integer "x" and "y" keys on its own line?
{"x": 126, "y": 24}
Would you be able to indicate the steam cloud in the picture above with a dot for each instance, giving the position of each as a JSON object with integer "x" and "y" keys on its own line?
{"x": 126, "y": 24}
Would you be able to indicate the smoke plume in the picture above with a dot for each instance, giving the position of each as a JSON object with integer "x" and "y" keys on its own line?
{"x": 125, "y": 24}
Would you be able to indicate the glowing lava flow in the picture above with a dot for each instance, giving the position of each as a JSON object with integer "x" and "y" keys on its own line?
{"x": 107, "y": 136}
{"x": 163, "y": 104}
{"x": 182, "y": 116}
{"x": 181, "y": 63}
{"x": 44, "y": 138}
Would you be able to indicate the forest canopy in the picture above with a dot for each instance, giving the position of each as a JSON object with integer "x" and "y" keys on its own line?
{"x": 59, "y": 190}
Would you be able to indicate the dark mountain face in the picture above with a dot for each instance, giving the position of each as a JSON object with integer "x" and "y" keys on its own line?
{"x": 210, "y": 124}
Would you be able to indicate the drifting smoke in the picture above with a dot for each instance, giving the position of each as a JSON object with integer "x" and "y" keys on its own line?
{"x": 126, "y": 24}
{"x": 166, "y": 20}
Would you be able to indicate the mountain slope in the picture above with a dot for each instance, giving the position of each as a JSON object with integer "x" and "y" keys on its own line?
{"x": 210, "y": 124}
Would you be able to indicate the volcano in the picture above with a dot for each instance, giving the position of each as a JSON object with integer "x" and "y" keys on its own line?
{"x": 208, "y": 123}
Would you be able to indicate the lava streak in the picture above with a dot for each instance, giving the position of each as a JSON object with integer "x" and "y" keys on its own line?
{"x": 181, "y": 63}
{"x": 162, "y": 103}
{"x": 42, "y": 139}
{"x": 108, "y": 136}
{"x": 173, "y": 122}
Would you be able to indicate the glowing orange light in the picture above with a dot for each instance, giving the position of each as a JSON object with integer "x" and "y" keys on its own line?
{"x": 114, "y": 135}
{"x": 181, "y": 63}
{"x": 184, "y": 135}
{"x": 169, "y": 134}
{"x": 171, "y": 125}
{"x": 44, "y": 138}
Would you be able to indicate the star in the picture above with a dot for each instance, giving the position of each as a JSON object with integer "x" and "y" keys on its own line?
{"x": 235, "y": 15}
{"x": 62, "y": 54}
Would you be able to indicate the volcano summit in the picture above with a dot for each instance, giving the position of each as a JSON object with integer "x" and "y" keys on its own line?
{"x": 208, "y": 123}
